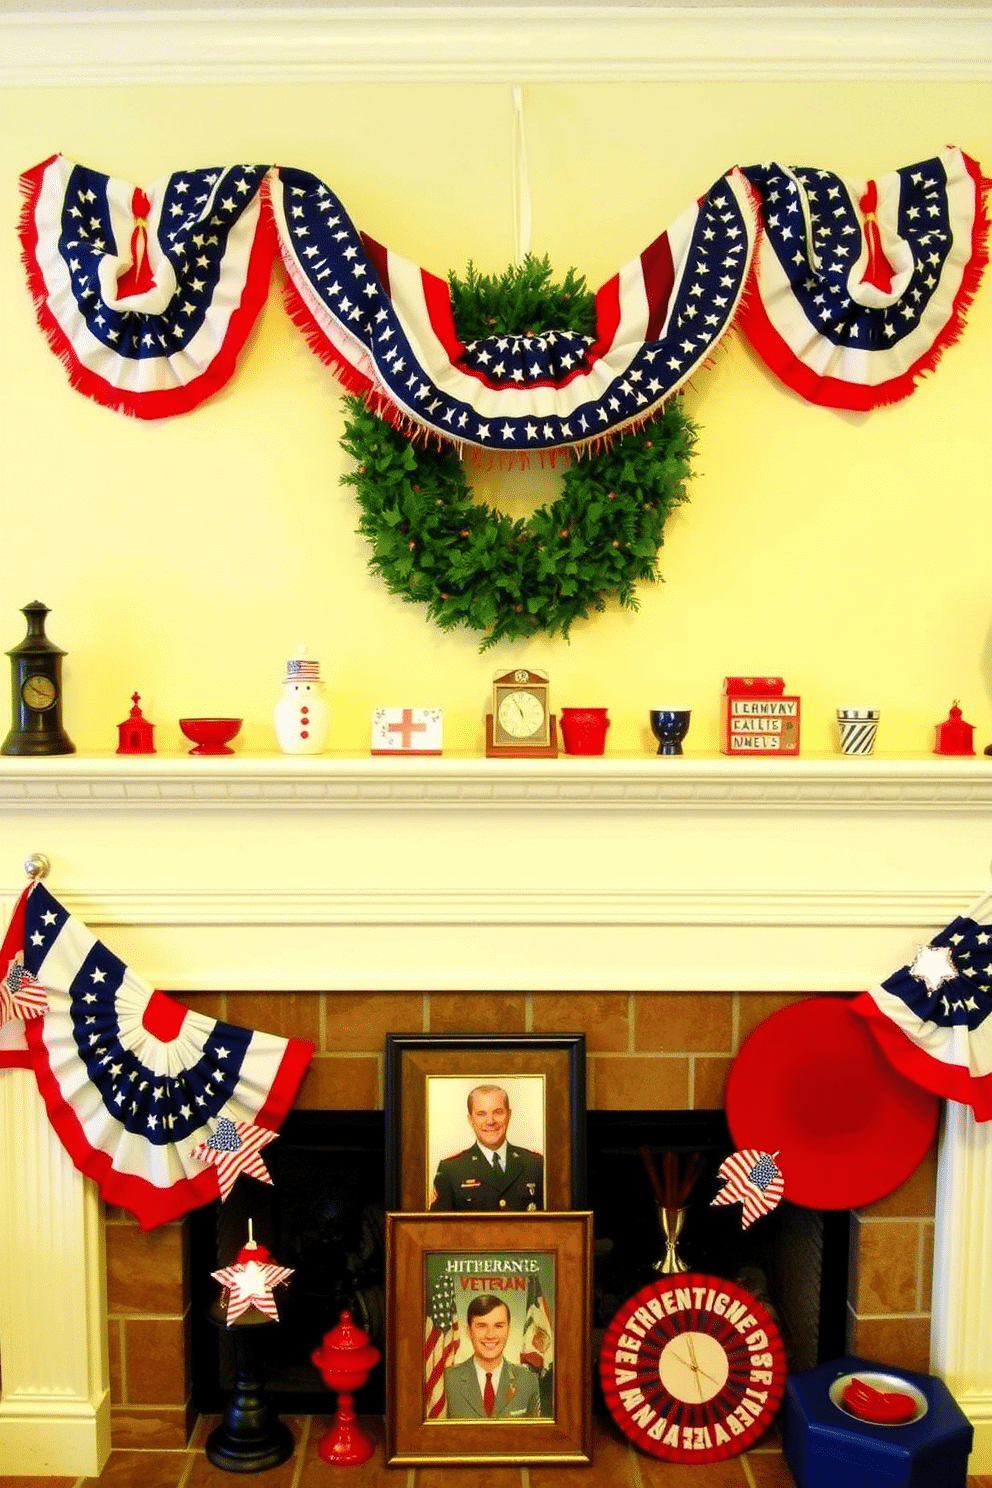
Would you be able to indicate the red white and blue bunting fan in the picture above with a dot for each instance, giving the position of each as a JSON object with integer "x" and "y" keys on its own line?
{"x": 146, "y": 296}
{"x": 860, "y": 286}
{"x": 387, "y": 326}
{"x": 931, "y": 1018}
{"x": 135, "y": 1083}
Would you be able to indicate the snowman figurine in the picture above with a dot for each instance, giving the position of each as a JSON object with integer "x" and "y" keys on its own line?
{"x": 302, "y": 715}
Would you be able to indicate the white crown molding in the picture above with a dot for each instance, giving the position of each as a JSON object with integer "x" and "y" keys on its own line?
{"x": 903, "y": 909}
{"x": 514, "y": 43}
{"x": 250, "y": 784}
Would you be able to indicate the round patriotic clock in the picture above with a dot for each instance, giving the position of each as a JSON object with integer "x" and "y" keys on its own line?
{"x": 693, "y": 1368}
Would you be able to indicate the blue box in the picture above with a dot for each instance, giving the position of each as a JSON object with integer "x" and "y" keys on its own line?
{"x": 826, "y": 1448}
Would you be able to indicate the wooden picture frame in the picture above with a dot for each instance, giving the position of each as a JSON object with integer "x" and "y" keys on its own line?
{"x": 539, "y": 1267}
{"x": 428, "y": 1077}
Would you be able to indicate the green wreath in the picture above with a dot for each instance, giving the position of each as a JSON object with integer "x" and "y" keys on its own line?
{"x": 515, "y": 578}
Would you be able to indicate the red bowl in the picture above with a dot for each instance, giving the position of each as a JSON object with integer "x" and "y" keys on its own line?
{"x": 210, "y": 735}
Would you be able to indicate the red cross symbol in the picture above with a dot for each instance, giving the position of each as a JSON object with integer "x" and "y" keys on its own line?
{"x": 407, "y": 727}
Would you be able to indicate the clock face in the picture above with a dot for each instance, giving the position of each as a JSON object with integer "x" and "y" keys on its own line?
{"x": 520, "y": 714}
{"x": 693, "y": 1369}
{"x": 38, "y": 692}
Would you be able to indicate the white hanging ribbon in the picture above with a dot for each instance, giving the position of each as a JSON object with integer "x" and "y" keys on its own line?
{"x": 521, "y": 182}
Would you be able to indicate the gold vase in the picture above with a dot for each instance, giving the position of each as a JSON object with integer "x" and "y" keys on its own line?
{"x": 671, "y": 1222}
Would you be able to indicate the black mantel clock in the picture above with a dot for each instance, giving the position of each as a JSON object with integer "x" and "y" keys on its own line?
{"x": 36, "y": 692}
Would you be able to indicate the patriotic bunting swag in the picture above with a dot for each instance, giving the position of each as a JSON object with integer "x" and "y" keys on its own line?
{"x": 849, "y": 291}
{"x": 859, "y": 286}
{"x": 146, "y": 297}
{"x": 931, "y": 1017}
{"x": 387, "y": 325}
{"x": 162, "y": 1107}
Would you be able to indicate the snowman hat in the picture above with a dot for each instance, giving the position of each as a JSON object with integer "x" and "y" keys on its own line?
{"x": 300, "y": 668}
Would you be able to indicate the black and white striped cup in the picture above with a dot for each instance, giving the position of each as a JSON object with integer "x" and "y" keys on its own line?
{"x": 858, "y": 727}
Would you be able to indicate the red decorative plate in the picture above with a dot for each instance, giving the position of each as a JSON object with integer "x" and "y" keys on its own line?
{"x": 693, "y": 1369}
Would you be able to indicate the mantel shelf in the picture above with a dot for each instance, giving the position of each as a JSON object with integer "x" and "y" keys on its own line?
{"x": 164, "y": 782}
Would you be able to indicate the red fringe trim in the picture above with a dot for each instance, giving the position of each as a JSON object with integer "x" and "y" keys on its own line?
{"x": 166, "y": 402}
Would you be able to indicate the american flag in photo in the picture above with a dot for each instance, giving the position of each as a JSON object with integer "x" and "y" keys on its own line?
{"x": 440, "y": 1345}
{"x": 752, "y": 1179}
{"x": 235, "y": 1148}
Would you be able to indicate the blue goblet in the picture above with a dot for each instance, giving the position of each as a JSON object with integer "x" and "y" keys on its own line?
{"x": 670, "y": 726}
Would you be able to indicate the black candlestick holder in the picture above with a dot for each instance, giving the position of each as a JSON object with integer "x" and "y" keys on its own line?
{"x": 250, "y": 1437}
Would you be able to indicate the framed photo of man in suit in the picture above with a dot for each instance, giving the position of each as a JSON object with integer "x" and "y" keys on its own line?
{"x": 485, "y": 1124}
{"x": 487, "y": 1337}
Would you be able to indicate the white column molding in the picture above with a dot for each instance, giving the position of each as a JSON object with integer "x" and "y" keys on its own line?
{"x": 961, "y": 1341}
{"x": 55, "y": 1406}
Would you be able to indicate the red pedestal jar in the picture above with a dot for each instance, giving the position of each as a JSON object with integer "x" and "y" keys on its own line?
{"x": 345, "y": 1359}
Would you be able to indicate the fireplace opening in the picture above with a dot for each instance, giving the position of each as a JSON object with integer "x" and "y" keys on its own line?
{"x": 324, "y": 1216}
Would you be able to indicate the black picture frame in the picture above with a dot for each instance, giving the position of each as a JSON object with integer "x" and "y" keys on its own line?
{"x": 412, "y": 1060}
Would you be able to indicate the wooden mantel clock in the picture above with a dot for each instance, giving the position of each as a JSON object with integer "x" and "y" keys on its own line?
{"x": 521, "y": 724}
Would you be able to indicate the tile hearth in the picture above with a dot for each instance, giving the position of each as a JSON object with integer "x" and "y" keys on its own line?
{"x": 615, "y": 1465}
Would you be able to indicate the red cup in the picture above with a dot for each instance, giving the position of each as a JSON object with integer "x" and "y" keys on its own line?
{"x": 584, "y": 730}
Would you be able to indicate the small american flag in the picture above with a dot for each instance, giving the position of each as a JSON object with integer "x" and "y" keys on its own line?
{"x": 234, "y": 1149}
{"x": 20, "y": 995}
{"x": 440, "y": 1345}
{"x": 753, "y": 1179}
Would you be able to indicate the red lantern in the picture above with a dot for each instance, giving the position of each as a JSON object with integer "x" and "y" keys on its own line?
{"x": 954, "y": 736}
{"x": 345, "y": 1359}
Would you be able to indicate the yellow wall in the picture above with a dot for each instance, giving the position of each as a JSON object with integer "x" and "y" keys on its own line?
{"x": 188, "y": 558}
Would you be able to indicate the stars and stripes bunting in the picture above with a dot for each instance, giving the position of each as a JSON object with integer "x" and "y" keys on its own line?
{"x": 146, "y": 295}
{"x": 931, "y": 1017}
{"x": 859, "y": 286}
{"x": 849, "y": 291}
{"x": 440, "y": 1345}
{"x": 387, "y": 326}
{"x": 132, "y": 1080}
{"x": 752, "y": 1179}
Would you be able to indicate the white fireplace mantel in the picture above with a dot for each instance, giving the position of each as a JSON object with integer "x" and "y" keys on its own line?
{"x": 280, "y": 873}
{"x": 711, "y": 872}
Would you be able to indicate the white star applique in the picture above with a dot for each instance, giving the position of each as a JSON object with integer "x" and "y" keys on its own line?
{"x": 933, "y": 965}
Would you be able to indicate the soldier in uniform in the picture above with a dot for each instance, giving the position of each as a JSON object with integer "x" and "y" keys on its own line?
{"x": 492, "y": 1174}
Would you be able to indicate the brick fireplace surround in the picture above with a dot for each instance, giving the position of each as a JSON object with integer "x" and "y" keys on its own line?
{"x": 663, "y": 907}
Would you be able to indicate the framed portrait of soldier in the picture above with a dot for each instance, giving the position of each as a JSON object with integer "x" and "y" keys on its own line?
{"x": 487, "y": 1331}
{"x": 485, "y": 1124}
